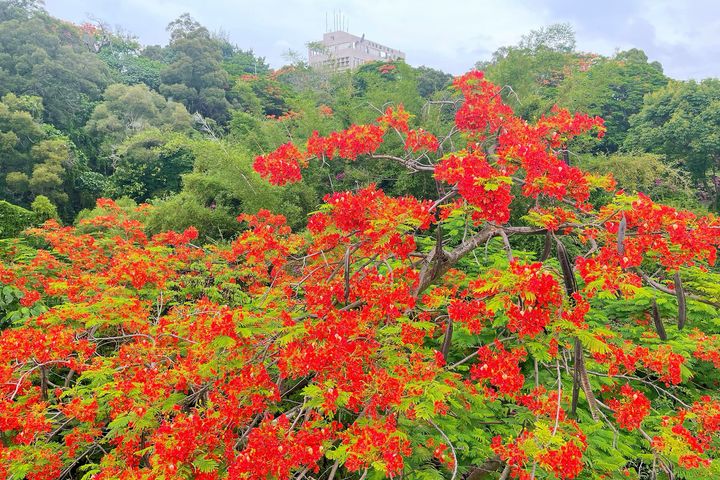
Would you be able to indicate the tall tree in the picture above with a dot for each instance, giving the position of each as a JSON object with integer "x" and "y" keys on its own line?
{"x": 613, "y": 88}
{"x": 149, "y": 164}
{"x": 682, "y": 121}
{"x": 533, "y": 69}
{"x": 124, "y": 55}
{"x": 195, "y": 75}
{"x": 43, "y": 56}
{"x": 126, "y": 110}
{"x": 236, "y": 61}
{"x": 35, "y": 156}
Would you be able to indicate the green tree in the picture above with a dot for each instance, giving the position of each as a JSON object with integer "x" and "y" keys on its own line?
{"x": 376, "y": 85}
{"x": 612, "y": 88}
{"x": 431, "y": 80}
{"x": 222, "y": 185}
{"x": 54, "y": 157}
{"x": 14, "y": 219}
{"x": 35, "y": 156}
{"x": 46, "y": 57}
{"x": 149, "y": 165}
{"x": 127, "y": 110}
{"x": 195, "y": 75}
{"x": 534, "y": 68}
{"x": 558, "y": 37}
{"x": 123, "y": 54}
{"x": 261, "y": 95}
{"x": 19, "y": 131}
{"x": 682, "y": 122}
{"x": 236, "y": 61}
{"x": 646, "y": 173}
{"x": 44, "y": 209}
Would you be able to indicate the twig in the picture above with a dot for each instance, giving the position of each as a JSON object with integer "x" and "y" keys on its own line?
{"x": 452, "y": 448}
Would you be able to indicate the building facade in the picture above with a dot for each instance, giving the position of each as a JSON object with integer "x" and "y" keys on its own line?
{"x": 342, "y": 51}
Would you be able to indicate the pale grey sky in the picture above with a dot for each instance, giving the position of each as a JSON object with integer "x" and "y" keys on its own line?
{"x": 450, "y": 35}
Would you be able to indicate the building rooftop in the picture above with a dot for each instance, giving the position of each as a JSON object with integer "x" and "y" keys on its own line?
{"x": 341, "y": 50}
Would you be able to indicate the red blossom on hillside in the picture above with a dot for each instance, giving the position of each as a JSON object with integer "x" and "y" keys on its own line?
{"x": 282, "y": 165}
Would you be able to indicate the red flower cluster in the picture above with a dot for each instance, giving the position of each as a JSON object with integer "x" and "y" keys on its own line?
{"x": 396, "y": 118}
{"x": 483, "y": 111}
{"x": 673, "y": 237}
{"x": 543, "y": 403}
{"x": 483, "y": 186}
{"x": 274, "y": 450}
{"x": 473, "y": 314}
{"x": 628, "y": 358}
{"x": 691, "y": 434}
{"x": 281, "y": 166}
{"x": 565, "y": 462}
{"x": 529, "y": 293}
{"x": 562, "y": 126}
{"x": 631, "y": 407}
{"x": 501, "y": 368}
{"x": 421, "y": 140}
{"x": 511, "y": 453}
{"x": 349, "y": 144}
{"x": 368, "y": 214}
{"x": 707, "y": 347}
{"x": 370, "y": 443}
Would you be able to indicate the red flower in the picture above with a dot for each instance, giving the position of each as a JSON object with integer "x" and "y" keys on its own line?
{"x": 282, "y": 165}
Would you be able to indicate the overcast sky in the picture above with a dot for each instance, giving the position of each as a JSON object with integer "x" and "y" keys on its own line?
{"x": 450, "y": 35}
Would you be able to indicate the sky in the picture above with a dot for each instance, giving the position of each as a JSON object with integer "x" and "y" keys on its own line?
{"x": 450, "y": 35}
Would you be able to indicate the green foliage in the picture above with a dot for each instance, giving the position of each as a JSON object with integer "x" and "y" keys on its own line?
{"x": 195, "y": 75}
{"x": 149, "y": 164}
{"x": 35, "y": 156}
{"x": 646, "y": 173}
{"x": 44, "y": 56}
{"x": 44, "y": 208}
{"x": 612, "y": 88}
{"x": 127, "y": 110}
{"x": 222, "y": 185}
{"x": 236, "y": 61}
{"x": 682, "y": 122}
{"x": 124, "y": 56}
{"x": 558, "y": 37}
{"x": 431, "y": 80}
{"x": 14, "y": 219}
{"x": 377, "y": 86}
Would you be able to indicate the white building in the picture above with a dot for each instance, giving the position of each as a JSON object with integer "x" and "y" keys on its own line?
{"x": 342, "y": 50}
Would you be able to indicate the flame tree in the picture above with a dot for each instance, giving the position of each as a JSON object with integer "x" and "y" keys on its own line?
{"x": 395, "y": 337}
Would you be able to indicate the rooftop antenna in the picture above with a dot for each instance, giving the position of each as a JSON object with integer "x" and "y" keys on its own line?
{"x": 340, "y": 22}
